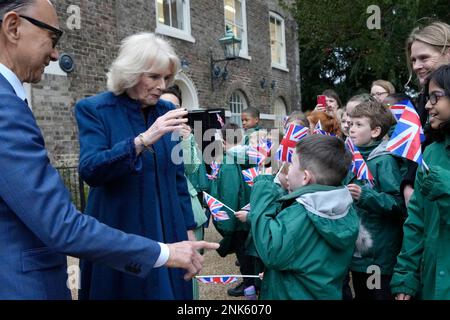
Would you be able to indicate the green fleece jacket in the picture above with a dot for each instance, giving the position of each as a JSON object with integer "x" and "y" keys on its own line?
{"x": 423, "y": 266}
{"x": 381, "y": 210}
{"x": 305, "y": 239}
{"x": 192, "y": 163}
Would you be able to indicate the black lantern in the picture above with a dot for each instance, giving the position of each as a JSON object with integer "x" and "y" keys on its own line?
{"x": 231, "y": 46}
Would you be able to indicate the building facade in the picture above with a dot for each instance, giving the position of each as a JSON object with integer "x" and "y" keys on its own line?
{"x": 265, "y": 76}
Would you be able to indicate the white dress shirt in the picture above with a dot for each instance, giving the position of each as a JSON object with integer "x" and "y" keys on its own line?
{"x": 13, "y": 81}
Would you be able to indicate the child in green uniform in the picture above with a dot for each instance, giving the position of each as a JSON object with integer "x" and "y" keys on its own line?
{"x": 250, "y": 122}
{"x": 423, "y": 266}
{"x": 379, "y": 204}
{"x": 231, "y": 189}
{"x": 306, "y": 239}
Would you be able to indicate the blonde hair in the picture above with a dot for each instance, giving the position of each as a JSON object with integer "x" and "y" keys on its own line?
{"x": 138, "y": 54}
{"x": 386, "y": 85}
{"x": 436, "y": 35}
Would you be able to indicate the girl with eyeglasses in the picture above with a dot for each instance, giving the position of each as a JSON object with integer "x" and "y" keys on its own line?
{"x": 423, "y": 266}
{"x": 381, "y": 89}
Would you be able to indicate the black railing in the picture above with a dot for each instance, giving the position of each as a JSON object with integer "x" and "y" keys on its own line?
{"x": 77, "y": 188}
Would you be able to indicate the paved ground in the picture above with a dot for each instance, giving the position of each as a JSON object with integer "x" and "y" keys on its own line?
{"x": 214, "y": 265}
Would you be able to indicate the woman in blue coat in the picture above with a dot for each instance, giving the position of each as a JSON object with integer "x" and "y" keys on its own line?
{"x": 126, "y": 145}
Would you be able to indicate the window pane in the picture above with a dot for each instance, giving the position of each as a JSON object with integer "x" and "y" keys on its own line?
{"x": 280, "y": 112}
{"x": 273, "y": 40}
{"x": 166, "y": 12}
{"x": 229, "y": 10}
{"x": 279, "y": 32}
{"x": 239, "y": 19}
{"x": 161, "y": 12}
{"x": 276, "y": 40}
{"x": 171, "y": 13}
{"x": 174, "y": 12}
{"x": 237, "y": 104}
{"x": 272, "y": 28}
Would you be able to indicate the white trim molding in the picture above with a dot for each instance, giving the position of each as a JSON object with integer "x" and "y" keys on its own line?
{"x": 188, "y": 91}
{"x": 55, "y": 69}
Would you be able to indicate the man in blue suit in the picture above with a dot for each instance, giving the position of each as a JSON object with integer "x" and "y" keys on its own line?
{"x": 38, "y": 222}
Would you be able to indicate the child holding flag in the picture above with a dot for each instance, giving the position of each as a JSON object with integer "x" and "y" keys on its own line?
{"x": 423, "y": 265}
{"x": 379, "y": 203}
{"x": 230, "y": 188}
{"x": 306, "y": 238}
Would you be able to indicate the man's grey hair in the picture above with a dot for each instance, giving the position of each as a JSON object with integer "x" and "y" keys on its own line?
{"x": 13, "y": 5}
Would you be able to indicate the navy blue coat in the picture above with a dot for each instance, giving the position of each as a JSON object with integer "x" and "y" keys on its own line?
{"x": 145, "y": 195}
{"x": 38, "y": 222}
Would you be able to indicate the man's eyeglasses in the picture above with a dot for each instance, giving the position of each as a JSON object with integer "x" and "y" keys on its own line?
{"x": 58, "y": 33}
{"x": 435, "y": 96}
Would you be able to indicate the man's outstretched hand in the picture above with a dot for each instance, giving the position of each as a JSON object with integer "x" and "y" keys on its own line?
{"x": 185, "y": 255}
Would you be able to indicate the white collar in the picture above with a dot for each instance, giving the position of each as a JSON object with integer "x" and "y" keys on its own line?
{"x": 13, "y": 81}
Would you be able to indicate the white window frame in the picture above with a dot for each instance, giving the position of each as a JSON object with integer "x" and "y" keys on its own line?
{"x": 283, "y": 65}
{"x": 244, "y": 47}
{"x": 237, "y": 115}
{"x": 169, "y": 31}
{"x": 279, "y": 113}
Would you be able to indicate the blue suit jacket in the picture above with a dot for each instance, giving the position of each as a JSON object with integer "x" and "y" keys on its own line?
{"x": 38, "y": 222}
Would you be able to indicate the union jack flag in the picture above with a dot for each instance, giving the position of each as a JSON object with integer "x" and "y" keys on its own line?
{"x": 294, "y": 133}
{"x": 407, "y": 137}
{"x": 359, "y": 166}
{"x": 255, "y": 157}
{"x": 319, "y": 130}
{"x": 247, "y": 208}
{"x": 250, "y": 175}
{"x": 397, "y": 109}
{"x": 220, "y": 120}
{"x": 264, "y": 146}
{"x": 218, "y": 279}
{"x": 215, "y": 167}
{"x": 215, "y": 207}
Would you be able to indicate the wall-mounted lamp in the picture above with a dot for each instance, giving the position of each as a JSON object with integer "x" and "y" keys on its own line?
{"x": 66, "y": 63}
{"x": 185, "y": 64}
{"x": 263, "y": 83}
{"x": 231, "y": 46}
{"x": 273, "y": 85}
